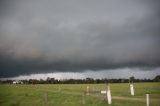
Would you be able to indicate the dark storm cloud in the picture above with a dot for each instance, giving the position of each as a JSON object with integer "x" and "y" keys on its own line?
{"x": 49, "y": 36}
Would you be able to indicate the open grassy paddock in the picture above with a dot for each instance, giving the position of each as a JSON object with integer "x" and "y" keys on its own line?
{"x": 74, "y": 95}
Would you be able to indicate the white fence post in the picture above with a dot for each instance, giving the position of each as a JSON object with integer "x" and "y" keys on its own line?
{"x": 109, "y": 98}
{"x": 147, "y": 99}
{"x": 132, "y": 89}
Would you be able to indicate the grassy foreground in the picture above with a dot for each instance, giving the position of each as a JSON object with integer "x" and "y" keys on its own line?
{"x": 73, "y": 95}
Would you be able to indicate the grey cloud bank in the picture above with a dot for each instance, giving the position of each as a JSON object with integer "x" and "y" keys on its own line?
{"x": 110, "y": 73}
{"x": 74, "y": 36}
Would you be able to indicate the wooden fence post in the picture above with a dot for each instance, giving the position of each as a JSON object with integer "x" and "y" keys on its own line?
{"x": 87, "y": 90}
{"x": 83, "y": 99}
{"x": 46, "y": 98}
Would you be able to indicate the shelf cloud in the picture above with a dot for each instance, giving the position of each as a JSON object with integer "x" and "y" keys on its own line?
{"x": 73, "y": 36}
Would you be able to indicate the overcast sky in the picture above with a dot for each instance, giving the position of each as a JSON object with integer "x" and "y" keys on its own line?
{"x": 50, "y": 36}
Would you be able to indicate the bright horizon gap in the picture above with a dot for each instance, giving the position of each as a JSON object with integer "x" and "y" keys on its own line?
{"x": 100, "y": 74}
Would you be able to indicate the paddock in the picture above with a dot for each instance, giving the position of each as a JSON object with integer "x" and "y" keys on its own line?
{"x": 75, "y": 95}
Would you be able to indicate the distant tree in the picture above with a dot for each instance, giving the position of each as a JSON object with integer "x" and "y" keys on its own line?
{"x": 48, "y": 80}
{"x": 157, "y": 78}
{"x": 89, "y": 80}
{"x": 25, "y": 81}
{"x": 41, "y": 81}
{"x": 131, "y": 79}
{"x": 52, "y": 80}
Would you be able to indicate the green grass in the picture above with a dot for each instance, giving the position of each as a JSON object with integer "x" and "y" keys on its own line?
{"x": 73, "y": 95}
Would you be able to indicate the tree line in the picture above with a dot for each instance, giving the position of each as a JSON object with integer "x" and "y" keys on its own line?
{"x": 82, "y": 81}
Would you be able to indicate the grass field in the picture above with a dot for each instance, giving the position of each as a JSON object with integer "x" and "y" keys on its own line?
{"x": 73, "y": 95}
